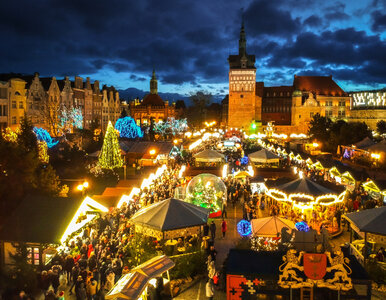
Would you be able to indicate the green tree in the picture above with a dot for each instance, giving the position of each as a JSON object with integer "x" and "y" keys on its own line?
{"x": 319, "y": 129}
{"x": 26, "y": 138}
{"x": 200, "y": 102}
{"x": 22, "y": 276}
{"x": 123, "y": 113}
{"x": 47, "y": 180}
{"x": 110, "y": 156}
{"x": 381, "y": 127}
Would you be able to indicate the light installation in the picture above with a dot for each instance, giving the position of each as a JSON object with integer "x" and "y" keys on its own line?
{"x": 110, "y": 156}
{"x": 302, "y": 226}
{"x": 71, "y": 117}
{"x": 369, "y": 99}
{"x": 171, "y": 126}
{"x": 128, "y": 129}
{"x": 244, "y": 228}
{"x": 43, "y": 135}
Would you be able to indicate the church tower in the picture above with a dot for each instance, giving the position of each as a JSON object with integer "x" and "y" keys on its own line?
{"x": 242, "y": 86}
{"x": 153, "y": 84}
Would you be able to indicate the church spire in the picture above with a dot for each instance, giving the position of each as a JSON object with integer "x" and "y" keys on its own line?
{"x": 153, "y": 84}
{"x": 242, "y": 41}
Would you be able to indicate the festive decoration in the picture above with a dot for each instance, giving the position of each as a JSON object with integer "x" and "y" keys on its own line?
{"x": 10, "y": 135}
{"x": 259, "y": 243}
{"x": 244, "y": 228}
{"x": 206, "y": 190}
{"x": 244, "y": 160}
{"x": 110, "y": 156}
{"x": 71, "y": 118}
{"x": 43, "y": 155}
{"x": 43, "y": 135}
{"x": 302, "y": 226}
{"x": 128, "y": 128}
{"x": 171, "y": 126}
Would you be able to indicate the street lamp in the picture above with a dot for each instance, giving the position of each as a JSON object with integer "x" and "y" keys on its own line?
{"x": 152, "y": 151}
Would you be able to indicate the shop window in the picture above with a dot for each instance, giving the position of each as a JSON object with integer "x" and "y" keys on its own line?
{"x": 33, "y": 256}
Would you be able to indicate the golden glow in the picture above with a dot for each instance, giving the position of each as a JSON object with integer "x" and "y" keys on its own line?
{"x": 85, "y": 184}
{"x": 315, "y": 145}
{"x": 195, "y": 144}
{"x": 225, "y": 171}
{"x": 251, "y": 171}
{"x": 128, "y": 198}
{"x": 152, "y": 151}
{"x": 375, "y": 155}
{"x": 309, "y": 161}
{"x": 175, "y": 141}
{"x": 80, "y": 187}
{"x": 88, "y": 205}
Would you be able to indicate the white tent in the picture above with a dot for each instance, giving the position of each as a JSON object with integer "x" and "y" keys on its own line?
{"x": 209, "y": 155}
{"x": 264, "y": 156}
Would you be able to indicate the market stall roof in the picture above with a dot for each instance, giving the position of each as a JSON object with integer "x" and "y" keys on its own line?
{"x": 263, "y": 156}
{"x": 209, "y": 155}
{"x": 242, "y": 174}
{"x": 365, "y": 143}
{"x": 257, "y": 178}
{"x": 304, "y": 186}
{"x": 144, "y": 147}
{"x": 39, "y": 219}
{"x": 171, "y": 214}
{"x": 270, "y": 226}
{"x": 379, "y": 147}
{"x": 131, "y": 285}
{"x": 369, "y": 220}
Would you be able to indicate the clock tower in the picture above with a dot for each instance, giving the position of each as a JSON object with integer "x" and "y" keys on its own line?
{"x": 243, "y": 106}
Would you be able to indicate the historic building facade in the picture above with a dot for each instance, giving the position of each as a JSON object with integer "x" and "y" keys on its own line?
{"x": 152, "y": 106}
{"x": 289, "y": 108}
{"x": 45, "y": 99}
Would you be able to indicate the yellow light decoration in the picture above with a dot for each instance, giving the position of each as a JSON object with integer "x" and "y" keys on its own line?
{"x": 375, "y": 156}
{"x": 301, "y": 205}
{"x": 152, "y": 151}
{"x": 80, "y": 187}
{"x": 295, "y": 170}
{"x": 225, "y": 171}
{"x": 277, "y": 195}
{"x": 370, "y": 185}
{"x": 318, "y": 165}
{"x": 195, "y": 144}
{"x": 88, "y": 205}
{"x": 10, "y": 135}
{"x": 188, "y": 134}
{"x": 335, "y": 199}
{"x": 292, "y": 155}
{"x": 182, "y": 170}
{"x": 251, "y": 171}
{"x": 128, "y": 198}
{"x": 348, "y": 177}
{"x": 309, "y": 161}
{"x": 298, "y": 158}
{"x": 43, "y": 155}
{"x": 85, "y": 184}
{"x": 334, "y": 172}
{"x": 316, "y": 145}
{"x": 298, "y": 136}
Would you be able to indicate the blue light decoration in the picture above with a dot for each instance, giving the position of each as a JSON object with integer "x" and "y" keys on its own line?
{"x": 127, "y": 128}
{"x": 244, "y": 160}
{"x": 43, "y": 135}
{"x": 302, "y": 226}
{"x": 244, "y": 228}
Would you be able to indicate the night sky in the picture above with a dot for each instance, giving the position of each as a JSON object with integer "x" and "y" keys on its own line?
{"x": 120, "y": 41}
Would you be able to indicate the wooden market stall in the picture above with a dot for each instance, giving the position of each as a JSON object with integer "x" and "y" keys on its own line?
{"x": 264, "y": 157}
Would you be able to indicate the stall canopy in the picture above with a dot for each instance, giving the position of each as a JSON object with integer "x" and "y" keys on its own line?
{"x": 209, "y": 155}
{"x": 242, "y": 174}
{"x": 365, "y": 143}
{"x": 379, "y": 147}
{"x": 369, "y": 220}
{"x": 171, "y": 214}
{"x": 304, "y": 186}
{"x": 132, "y": 284}
{"x": 264, "y": 156}
{"x": 270, "y": 226}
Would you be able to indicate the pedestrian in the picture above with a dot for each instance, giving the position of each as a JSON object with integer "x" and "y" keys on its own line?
{"x": 61, "y": 296}
{"x": 92, "y": 288}
{"x": 224, "y": 210}
{"x": 206, "y": 229}
{"x": 223, "y": 228}
{"x": 213, "y": 230}
{"x": 209, "y": 289}
{"x": 212, "y": 253}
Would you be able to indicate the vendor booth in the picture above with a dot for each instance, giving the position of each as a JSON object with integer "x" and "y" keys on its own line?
{"x": 370, "y": 232}
{"x": 264, "y": 158}
{"x": 169, "y": 219}
{"x": 133, "y": 285}
{"x": 376, "y": 189}
{"x": 209, "y": 157}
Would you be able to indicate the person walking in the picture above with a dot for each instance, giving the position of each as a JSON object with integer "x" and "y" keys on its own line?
{"x": 213, "y": 230}
{"x": 209, "y": 288}
{"x": 224, "y": 210}
{"x": 223, "y": 228}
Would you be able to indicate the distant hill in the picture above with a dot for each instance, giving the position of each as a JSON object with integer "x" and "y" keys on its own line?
{"x": 132, "y": 93}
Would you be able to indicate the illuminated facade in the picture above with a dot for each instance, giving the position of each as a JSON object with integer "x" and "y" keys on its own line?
{"x": 152, "y": 106}
{"x": 368, "y": 107}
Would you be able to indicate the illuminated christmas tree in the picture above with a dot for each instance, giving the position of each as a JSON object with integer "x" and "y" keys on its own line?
{"x": 205, "y": 196}
{"x": 110, "y": 156}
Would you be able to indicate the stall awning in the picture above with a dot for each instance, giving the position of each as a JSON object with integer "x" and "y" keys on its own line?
{"x": 270, "y": 226}
{"x": 369, "y": 220}
{"x": 263, "y": 156}
{"x": 131, "y": 285}
{"x": 209, "y": 155}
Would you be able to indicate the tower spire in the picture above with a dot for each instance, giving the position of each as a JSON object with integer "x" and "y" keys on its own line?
{"x": 153, "y": 84}
{"x": 243, "y": 40}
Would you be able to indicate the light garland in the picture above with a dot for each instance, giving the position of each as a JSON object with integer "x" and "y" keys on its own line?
{"x": 110, "y": 156}
{"x": 225, "y": 171}
{"x": 128, "y": 128}
{"x": 43, "y": 155}
{"x": 43, "y": 135}
{"x": 259, "y": 243}
{"x": 10, "y": 135}
{"x": 244, "y": 228}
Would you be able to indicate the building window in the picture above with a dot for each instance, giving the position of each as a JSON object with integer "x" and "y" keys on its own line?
{"x": 3, "y": 93}
{"x": 342, "y": 103}
{"x": 341, "y": 113}
{"x": 241, "y": 96}
{"x": 14, "y": 120}
{"x": 328, "y": 103}
{"x": 3, "y": 110}
{"x": 300, "y": 116}
{"x": 21, "y": 106}
{"x": 328, "y": 113}
{"x": 33, "y": 256}
{"x": 14, "y": 104}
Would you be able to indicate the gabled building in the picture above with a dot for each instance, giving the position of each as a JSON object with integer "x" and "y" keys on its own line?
{"x": 152, "y": 106}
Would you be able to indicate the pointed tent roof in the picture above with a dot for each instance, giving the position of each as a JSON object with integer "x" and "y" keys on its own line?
{"x": 379, "y": 147}
{"x": 305, "y": 186}
{"x": 171, "y": 214}
{"x": 209, "y": 155}
{"x": 369, "y": 220}
{"x": 365, "y": 143}
{"x": 270, "y": 226}
{"x": 263, "y": 156}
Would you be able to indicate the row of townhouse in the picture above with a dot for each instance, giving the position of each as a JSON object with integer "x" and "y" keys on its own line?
{"x": 44, "y": 99}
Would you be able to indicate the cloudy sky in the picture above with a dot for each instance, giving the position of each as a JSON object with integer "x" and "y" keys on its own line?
{"x": 120, "y": 41}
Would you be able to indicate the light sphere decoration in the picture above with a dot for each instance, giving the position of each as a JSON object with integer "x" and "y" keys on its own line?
{"x": 128, "y": 129}
{"x": 302, "y": 226}
{"x": 206, "y": 190}
{"x": 244, "y": 228}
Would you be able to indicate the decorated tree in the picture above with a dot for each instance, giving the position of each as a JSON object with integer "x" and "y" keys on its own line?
{"x": 205, "y": 195}
{"x": 127, "y": 128}
{"x": 110, "y": 156}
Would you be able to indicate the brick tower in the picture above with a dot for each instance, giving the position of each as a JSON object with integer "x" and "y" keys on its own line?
{"x": 242, "y": 86}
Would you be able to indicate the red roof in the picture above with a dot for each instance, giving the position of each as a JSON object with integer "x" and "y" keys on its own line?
{"x": 321, "y": 85}
{"x": 153, "y": 99}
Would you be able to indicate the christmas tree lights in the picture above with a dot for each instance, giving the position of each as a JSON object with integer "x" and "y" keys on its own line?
{"x": 110, "y": 156}
{"x": 128, "y": 129}
{"x": 43, "y": 135}
{"x": 43, "y": 155}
